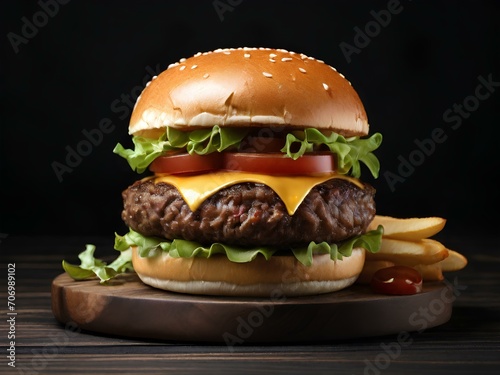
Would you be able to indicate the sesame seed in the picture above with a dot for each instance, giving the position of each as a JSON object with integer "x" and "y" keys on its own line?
{"x": 333, "y": 68}
{"x": 172, "y": 65}
{"x": 325, "y": 86}
{"x": 286, "y": 59}
{"x": 147, "y": 84}
{"x": 194, "y": 66}
{"x": 343, "y": 76}
{"x": 302, "y": 70}
{"x": 246, "y": 55}
{"x": 198, "y": 54}
{"x": 320, "y": 61}
{"x": 272, "y": 60}
{"x": 206, "y": 75}
{"x": 268, "y": 75}
{"x": 227, "y": 52}
{"x": 182, "y": 60}
{"x": 272, "y": 55}
{"x": 182, "y": 67}
{"x": 154, "y": 77}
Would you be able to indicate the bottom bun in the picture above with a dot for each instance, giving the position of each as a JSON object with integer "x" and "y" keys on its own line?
{"x": 278, "y": 276}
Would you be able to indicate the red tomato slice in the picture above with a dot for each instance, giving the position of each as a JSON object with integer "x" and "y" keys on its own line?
{"x": 279, "y": 164}
{"x": 397, "y": 280}
{"x": 186, "y": 163}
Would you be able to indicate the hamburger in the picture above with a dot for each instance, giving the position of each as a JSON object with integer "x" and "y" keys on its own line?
{"x": 255, "y": 157}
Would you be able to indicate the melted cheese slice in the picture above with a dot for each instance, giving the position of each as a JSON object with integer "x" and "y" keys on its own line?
{"x": 291, "y": 190}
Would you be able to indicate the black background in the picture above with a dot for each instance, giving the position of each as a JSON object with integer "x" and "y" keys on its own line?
{"x": 65, "y": 79}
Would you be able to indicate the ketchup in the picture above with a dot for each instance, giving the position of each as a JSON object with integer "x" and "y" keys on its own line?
{"x": 399, "y": 280}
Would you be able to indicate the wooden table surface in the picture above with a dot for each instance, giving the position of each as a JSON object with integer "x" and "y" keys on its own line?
{"x": 468, "y": 343}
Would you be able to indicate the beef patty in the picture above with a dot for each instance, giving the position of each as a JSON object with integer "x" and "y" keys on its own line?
{"x": 250, "y": 214}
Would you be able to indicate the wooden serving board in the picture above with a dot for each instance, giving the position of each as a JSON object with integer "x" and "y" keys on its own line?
{"x": 131, "y": 309}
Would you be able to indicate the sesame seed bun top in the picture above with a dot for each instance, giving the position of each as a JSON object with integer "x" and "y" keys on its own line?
{"x": 249, "y": 87}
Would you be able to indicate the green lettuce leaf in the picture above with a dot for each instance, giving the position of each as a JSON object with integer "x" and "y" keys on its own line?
{"x": 150, "y": 246}
{"x": 146, "y": 150}
{"x": 92, "y": 267}
{"x": 350, "y": 151}
{"x": 200, "y": 141}
{"x": 370, "y": 241}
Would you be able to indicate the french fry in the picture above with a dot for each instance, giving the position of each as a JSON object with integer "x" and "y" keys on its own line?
{"x": 411, "y": 229}
{"x": 410, "y": 253}
{"x": 454, "y": 262}
{"x": 406, "y": 242}
{"x": 430, "y": 272}
{"x": 370, "y": 268}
